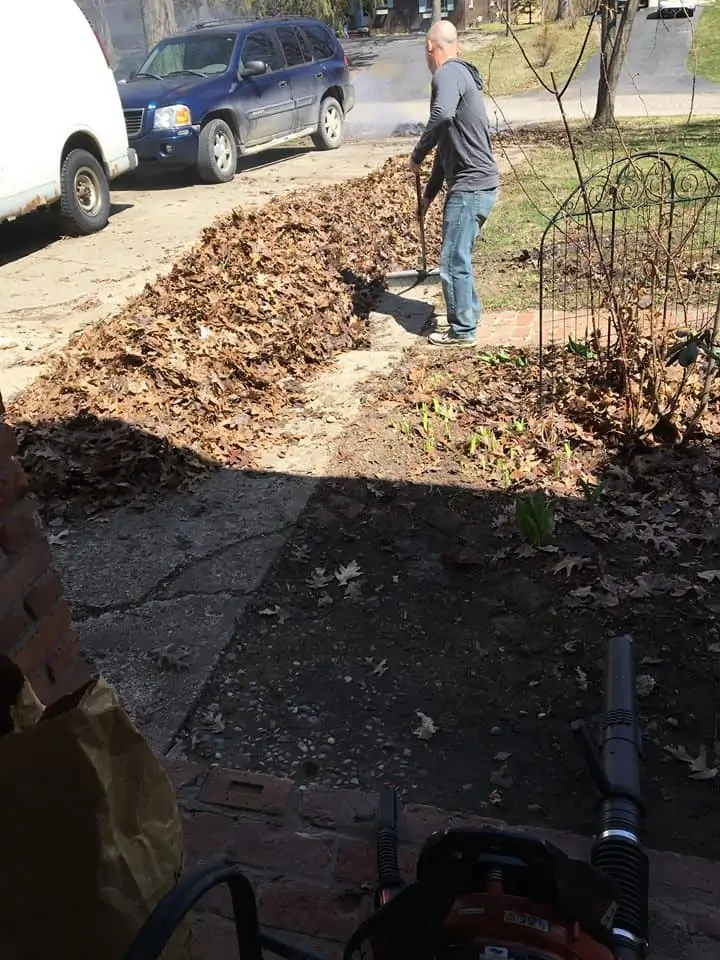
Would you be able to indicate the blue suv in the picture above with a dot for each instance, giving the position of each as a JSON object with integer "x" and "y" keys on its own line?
{"x": 236, "y": 87}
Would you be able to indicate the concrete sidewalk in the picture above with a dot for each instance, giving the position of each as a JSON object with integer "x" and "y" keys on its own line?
{"x": 310, "y": 855}
{"x": 511, "y": 112}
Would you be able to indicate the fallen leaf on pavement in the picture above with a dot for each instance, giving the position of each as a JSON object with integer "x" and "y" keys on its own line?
{"x": 699, "y": 764}
{"x": 319, "y": 578}
{"x": 427, "y": 726}
{"x": 570, "y": 563}
{"x": 709, "y": 575}
{"x": 345, "y": 574}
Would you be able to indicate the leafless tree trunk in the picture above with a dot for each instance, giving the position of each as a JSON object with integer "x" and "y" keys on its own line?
{"x": 159, "y": 20}
{"x": 563, "y": 10}
{"x": 614, "y": 37}
{"x": 437, "y": 11}
{"x": 94, "y": 10}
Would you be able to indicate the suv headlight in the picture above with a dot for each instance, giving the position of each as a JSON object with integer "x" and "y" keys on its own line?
{"x": 168, "y": 118}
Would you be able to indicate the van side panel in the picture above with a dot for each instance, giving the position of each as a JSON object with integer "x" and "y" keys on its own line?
{"x": 55, "y": 85}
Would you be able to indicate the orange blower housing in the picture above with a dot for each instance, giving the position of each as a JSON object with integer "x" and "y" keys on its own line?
{"x": 511, "y": 926}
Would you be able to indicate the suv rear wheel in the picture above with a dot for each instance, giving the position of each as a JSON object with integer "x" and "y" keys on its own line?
{"x": 329, "y": 134}
{"x": 84, "y": 194}
{"x": 217, "y": 152}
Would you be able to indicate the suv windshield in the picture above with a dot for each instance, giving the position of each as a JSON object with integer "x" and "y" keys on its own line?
{"x": 195, "y": 56}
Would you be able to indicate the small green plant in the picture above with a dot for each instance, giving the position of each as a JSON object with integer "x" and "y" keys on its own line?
{"x": 496, "y": 357}
{"x": 504, "y": 468}
{"x": 593, "y": 492}
{"x": 425, "y": 418}
{"x": 405, "y": 428}
{"x": 534, "y": 518}
{"x": 519, "y": 426}
{"x": 578, "y": 349}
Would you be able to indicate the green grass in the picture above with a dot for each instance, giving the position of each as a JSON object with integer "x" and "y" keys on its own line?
{"x": 704, "y": 57}
{"x": 544, "y": 176}
{"x": 550, "y": 47}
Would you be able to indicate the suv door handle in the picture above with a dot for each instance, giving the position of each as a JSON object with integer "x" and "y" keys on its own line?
{"x": 283, "y": 83}
{"x": 319, "y": 76}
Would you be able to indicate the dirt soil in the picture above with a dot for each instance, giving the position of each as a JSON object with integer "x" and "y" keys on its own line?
{"x": 409, "y": 633}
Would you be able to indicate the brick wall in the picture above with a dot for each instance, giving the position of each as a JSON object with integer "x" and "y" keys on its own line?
{"x": 35, "y": 625}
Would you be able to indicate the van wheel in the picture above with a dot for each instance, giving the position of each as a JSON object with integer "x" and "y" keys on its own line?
{"x": 217, "y": 152}
{"x": 84, "y": 194}
{"x": 329, "y": 134}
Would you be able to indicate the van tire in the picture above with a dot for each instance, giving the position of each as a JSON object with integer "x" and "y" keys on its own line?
{"x": 84, "y": 194}
{"x": 329, "y": 133}
{"x": 217, "y": 152}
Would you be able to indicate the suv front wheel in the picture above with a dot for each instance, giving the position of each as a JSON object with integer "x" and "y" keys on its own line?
{"x": 217, "y": 152}
{"x": 329, "y": 134}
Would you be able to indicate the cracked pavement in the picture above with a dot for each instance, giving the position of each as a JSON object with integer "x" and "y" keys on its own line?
{"x": 157, "y": 595}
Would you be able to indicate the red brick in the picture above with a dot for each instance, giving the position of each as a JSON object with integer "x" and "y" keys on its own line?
{"x": 43, "y": 595}
{"x": 213, "y": 938}
{"x": 20, "y": 527}
{"x": 64, "y": 659}
{"x": 301, "y": 906}
{"x": 206, "y": 835}
{"x": 270, "y": 845}
{"x": 8, "y": 443}
{"x": 13, "y": 484}
{"x": 218, "y": 899}
{"x": 418, "y": 822}
{"x": 337, "y": 808}
{"x": 37, "y": 649}
{"x": 13, "y": 626}
{"x": 182, "y": 772}
{"x": 697, "y": 879}
{"x": 357, "y": 862}
{"x": 62, "y": 672}
{"x": 243, "y": 790}
{"x": 708, "y": 925}
{"x": 29, "y": 566}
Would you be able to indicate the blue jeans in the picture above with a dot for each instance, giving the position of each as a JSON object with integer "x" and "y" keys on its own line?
{"x": 463, "y": 218}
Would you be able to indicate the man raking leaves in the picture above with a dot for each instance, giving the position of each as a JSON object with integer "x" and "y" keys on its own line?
{"x": 459, "y": 130}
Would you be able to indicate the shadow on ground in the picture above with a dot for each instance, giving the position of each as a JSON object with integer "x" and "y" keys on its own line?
{"x": 36, "y": 231}
{"x": 385, "y": 622}
{"x": 155, "y": 177}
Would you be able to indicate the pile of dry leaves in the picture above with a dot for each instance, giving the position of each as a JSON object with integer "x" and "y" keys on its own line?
{"x": 185, "y": 377}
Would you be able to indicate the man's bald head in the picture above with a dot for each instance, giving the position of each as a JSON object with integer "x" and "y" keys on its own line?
{"x": 441, "y": 44}
{"x": 442, "y": 33}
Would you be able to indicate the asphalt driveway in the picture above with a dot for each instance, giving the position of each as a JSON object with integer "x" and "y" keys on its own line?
{"x": 656, "y": 61}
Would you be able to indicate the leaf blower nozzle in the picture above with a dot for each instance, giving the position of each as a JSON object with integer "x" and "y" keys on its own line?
{"x": 618, "y": 851}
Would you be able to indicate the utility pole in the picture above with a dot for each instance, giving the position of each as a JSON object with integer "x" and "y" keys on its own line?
{"x": 507, "y": 18}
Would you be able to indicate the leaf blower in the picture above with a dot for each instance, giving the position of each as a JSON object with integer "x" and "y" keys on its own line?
{"x": 486, "y": 893}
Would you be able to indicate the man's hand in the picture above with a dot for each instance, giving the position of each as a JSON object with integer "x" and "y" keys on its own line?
{"x": 413, "y": 167}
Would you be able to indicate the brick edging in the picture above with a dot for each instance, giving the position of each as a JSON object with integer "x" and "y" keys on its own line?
{"x": 309, "y": 853}
{"x": 35, "y": 628}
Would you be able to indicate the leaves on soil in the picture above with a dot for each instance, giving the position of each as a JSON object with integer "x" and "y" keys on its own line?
{"x": 190, "y": 373}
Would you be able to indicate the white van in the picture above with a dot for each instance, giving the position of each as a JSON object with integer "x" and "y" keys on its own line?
{"x": 62, "y": 133}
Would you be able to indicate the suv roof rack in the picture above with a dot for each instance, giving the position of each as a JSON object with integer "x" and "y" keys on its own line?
{"x": 222, "y": 21}
{"x": 228, "y": 21}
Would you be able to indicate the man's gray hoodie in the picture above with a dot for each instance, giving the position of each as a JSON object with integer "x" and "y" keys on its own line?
{"x": 459, "y": 128}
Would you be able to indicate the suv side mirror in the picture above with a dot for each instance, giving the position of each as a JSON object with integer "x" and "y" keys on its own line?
{"x": 253, "y": 68}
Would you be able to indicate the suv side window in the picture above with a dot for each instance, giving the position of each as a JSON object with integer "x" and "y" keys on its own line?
{"x": 291, "y": 45}
{"x": 319, "y": 40}
{"x": 260, "y": 45}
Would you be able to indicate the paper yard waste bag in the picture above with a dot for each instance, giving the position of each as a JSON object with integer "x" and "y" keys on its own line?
{"x": 90, "y": 833}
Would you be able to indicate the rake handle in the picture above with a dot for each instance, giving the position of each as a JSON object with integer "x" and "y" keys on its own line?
{"x": 421, "y": 222}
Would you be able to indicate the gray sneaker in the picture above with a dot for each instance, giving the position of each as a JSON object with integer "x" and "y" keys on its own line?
{"x": 444, "y": 338}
